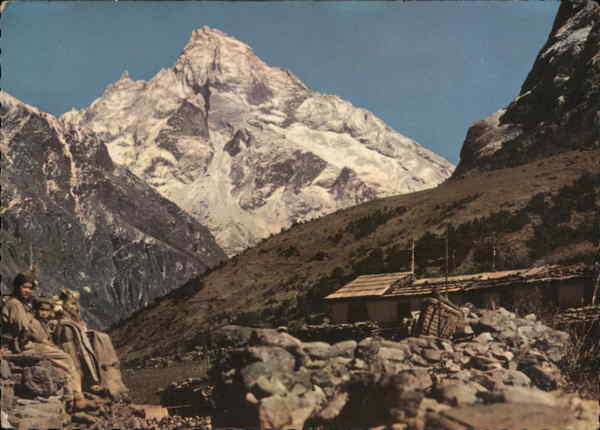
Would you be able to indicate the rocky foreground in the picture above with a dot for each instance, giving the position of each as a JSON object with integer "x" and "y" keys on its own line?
{"x": 501, "y": 371}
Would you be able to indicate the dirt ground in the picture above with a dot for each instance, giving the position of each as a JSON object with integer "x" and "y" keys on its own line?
{"x": 144, "y": 384}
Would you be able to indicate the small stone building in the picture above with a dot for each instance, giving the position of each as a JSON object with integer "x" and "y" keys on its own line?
{"x": 389, "y": 297}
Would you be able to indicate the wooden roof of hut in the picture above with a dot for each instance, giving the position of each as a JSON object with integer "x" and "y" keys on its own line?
{"x": 457, "y": 283}
{"x": 403, "y": 283}
{"x": 371, "y": 285}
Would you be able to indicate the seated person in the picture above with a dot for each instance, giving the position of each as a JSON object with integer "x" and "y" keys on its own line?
{"x": 44, "y": 312}
{"x": 56, "y": 315}
{"x": 27, "y": 335}
{"x": 70, "y": 334}
{"x": 91, "y": 350}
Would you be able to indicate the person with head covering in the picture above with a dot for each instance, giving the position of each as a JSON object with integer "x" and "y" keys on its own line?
{"x": 57, "y": 314}
{"x": 27, "y": 335}
{"x": 71, "y": 335}
{"x": 91, "y": 350}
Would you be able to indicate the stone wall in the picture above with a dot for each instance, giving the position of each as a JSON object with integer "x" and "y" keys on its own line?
{"x": 504, "y": 367}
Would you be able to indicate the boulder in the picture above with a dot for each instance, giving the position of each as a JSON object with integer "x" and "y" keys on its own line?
{"x": 288, "y": 411}
{"x": 528, "y": 395}
{"x": 507, "y": 416}
{"x": 318, "y": 350}
{"x": 545, "y": 375}
{"x": 457, "y": 394}
{"x": 45, "y": 413}
{"x": 345, "y": 349}
{"x": 5, "y": 372}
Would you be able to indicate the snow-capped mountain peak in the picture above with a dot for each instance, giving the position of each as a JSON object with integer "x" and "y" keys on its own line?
{"x": 247, "y": 148}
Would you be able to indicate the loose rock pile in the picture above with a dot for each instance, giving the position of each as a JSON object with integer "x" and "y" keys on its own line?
{"x": 333, "y": 333}
{"x": 278, "y": 382}
{"x": 191, "y": 397}
{"x": 33, "y": 397}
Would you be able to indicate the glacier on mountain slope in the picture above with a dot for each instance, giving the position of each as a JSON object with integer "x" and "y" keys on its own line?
{"x": 248, "y": 149}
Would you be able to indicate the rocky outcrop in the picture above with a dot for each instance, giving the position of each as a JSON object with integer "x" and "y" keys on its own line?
{"x": 506, "y": 368}
{"x": 558, "y": 108}
{"x": 32, "y": 393}
{"x": 249, "y": 149}
{"x": 33, "y": 397}
{"x": 87, "y": 223}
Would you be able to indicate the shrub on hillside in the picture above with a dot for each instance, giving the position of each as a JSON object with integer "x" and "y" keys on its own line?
{"x": 581, "y": 364}
{"x": 366, "y": 225}
{"x": 371, "y": 263}
{"x": 537, "y": 204}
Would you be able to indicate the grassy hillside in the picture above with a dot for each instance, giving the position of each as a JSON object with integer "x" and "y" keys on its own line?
{"x": 543, "y": 212}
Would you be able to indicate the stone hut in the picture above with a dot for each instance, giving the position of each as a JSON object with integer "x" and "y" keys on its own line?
{"x": 389, "y": 297}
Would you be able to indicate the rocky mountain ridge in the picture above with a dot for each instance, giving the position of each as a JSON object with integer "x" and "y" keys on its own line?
{"x": 88, "y": 223}
{"x": 558, "y": 108}
{"x": 248, "y": 149}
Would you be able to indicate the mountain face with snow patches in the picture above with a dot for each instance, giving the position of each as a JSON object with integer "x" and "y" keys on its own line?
{"x": 248, "y": 149}
{"x": 558, "y": 108}
{"x": 87, "y": 223}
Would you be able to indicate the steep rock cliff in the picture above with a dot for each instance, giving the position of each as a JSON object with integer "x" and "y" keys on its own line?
{"x": 558, "y": 108}
{"x": 88, "y": 223}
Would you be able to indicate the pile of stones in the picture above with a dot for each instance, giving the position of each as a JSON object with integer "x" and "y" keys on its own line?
{"x": 178, "y": 423}
{"x": 500, "y": 371}
{"x": 191, "y": 397}
{"x": 33, "y": 397}
{"x": 333, "y": 333}
{"x": 498, "y": 361}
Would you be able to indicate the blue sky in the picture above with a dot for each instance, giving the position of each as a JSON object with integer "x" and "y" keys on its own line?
{"x": 428, "y": 69}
